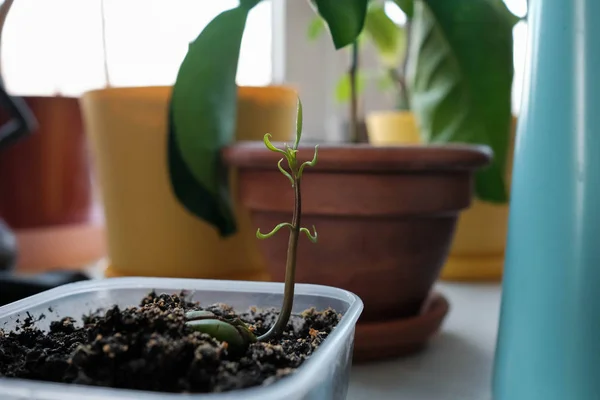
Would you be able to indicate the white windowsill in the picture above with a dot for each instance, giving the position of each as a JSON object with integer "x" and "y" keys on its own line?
{"x": 458, "y": 363}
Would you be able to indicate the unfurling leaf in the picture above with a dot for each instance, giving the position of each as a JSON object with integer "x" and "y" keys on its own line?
{"x": 298, "y": 123}
{"x": 274, "y": 231}
{"x": 284, "y": 172}
{"x": 312, "y": 237}
{"x": 311, "y": 163}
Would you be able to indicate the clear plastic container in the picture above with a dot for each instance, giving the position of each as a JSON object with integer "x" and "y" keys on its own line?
{"x": 324, "y": 375}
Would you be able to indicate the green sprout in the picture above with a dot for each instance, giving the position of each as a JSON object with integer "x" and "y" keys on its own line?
{"x": 237, "y": 335}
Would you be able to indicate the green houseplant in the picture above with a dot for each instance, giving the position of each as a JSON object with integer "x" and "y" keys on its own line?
{"x": 460, "y": 79}
{"x": 376, "y": 208}
{"x": 432, "y": 36}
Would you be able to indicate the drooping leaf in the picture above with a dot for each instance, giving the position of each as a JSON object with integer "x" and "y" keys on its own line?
{"x": 460, "y": 75}
{"x": 407, "y": 6}
{"x": 388, "y": 38}
{"x": 202, "y": 118}
{"x": 345, "y": 19}
{"x": 343, "y": 90}
{"x": 249, "y": 4}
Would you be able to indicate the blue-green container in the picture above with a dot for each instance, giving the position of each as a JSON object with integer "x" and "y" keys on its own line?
{"x": 549, "y": 336}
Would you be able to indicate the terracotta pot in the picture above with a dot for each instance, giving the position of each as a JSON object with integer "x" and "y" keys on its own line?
{"x": 8, "y": 247}
{"x": 149, "y": 232}
{"x": 385, "y": 216}
{"x": 477, "y": 251}
{"x": 45, "y": 178}
{"x": 47, "y": 192}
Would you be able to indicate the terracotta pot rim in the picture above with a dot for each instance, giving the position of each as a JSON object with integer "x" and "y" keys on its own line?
{"x": 365, "y": 157}
{"x": 41, "y": 98}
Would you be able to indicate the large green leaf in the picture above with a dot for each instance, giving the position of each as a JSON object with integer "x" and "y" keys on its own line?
{"x": 202, "y": 118}
{"x": 345, "y": 19}
{"x": 388, "y": 38}
{"x": 460, "y": 75}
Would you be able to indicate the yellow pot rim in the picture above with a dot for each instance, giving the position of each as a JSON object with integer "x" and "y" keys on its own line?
{"x": 269, "y": 93}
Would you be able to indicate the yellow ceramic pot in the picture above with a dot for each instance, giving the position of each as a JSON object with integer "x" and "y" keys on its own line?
{"x": 477, "y": 251}
{"x": 392, "y": 127}
{"x": 149, "y": 232}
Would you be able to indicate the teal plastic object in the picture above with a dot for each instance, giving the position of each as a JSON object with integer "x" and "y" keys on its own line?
{"x": 549, "y": 335}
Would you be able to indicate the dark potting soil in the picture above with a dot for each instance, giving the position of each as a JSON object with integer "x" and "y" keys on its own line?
{"x": 150, "y": 348}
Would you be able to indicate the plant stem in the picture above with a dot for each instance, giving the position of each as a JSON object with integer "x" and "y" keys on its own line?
{"x": 290, "y": 268}
{"x": 398, "y": 79}
{"x": 353, "y": 94}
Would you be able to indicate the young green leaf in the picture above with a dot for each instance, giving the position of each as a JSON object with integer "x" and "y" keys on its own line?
{"x": 345, "y": 19}
{"x": 274, "y": 231}
{"x": 311, "y": 163}
{"x": 284, "y": 172}
{"x": 202, "y": 118}
{"x": 312, "y": 237}
{"x": 298, "y": 123}
{"x": 460, "y": 74}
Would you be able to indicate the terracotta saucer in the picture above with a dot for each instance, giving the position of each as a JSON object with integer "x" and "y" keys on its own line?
{"x": 376, "y": 341}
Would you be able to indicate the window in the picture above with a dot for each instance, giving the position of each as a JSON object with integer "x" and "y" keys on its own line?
{"x": 56, "y": 47}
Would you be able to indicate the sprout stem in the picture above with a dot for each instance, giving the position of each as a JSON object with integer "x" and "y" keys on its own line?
{"x": 290, "y": 268}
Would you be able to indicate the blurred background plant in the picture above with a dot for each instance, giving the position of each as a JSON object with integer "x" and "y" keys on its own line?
{"x": 389, "y": 39}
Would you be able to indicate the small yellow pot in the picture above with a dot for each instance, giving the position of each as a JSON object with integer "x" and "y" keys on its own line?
{"x": 392, "y": 128}
{"x": 149, "y": 232}
{"x": 477, "y": 251}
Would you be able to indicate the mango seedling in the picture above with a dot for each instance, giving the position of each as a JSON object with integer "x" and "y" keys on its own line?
{"x": 236, "y": 333}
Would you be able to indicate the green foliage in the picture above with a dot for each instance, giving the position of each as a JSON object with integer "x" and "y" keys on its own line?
{"x": 407, "y": 6}
{"x": 389, "y": 39}
{"x": 345, "y": 19}
{"x": 316, "y": 27}
{"x": 203, "y": 106}
{"x": 343, "y": 89}
{"x": 460, "y": 74}
{"x": 202, "y": 118}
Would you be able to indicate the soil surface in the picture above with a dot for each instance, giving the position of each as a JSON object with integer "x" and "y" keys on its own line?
{"x": 149, "y": 347}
